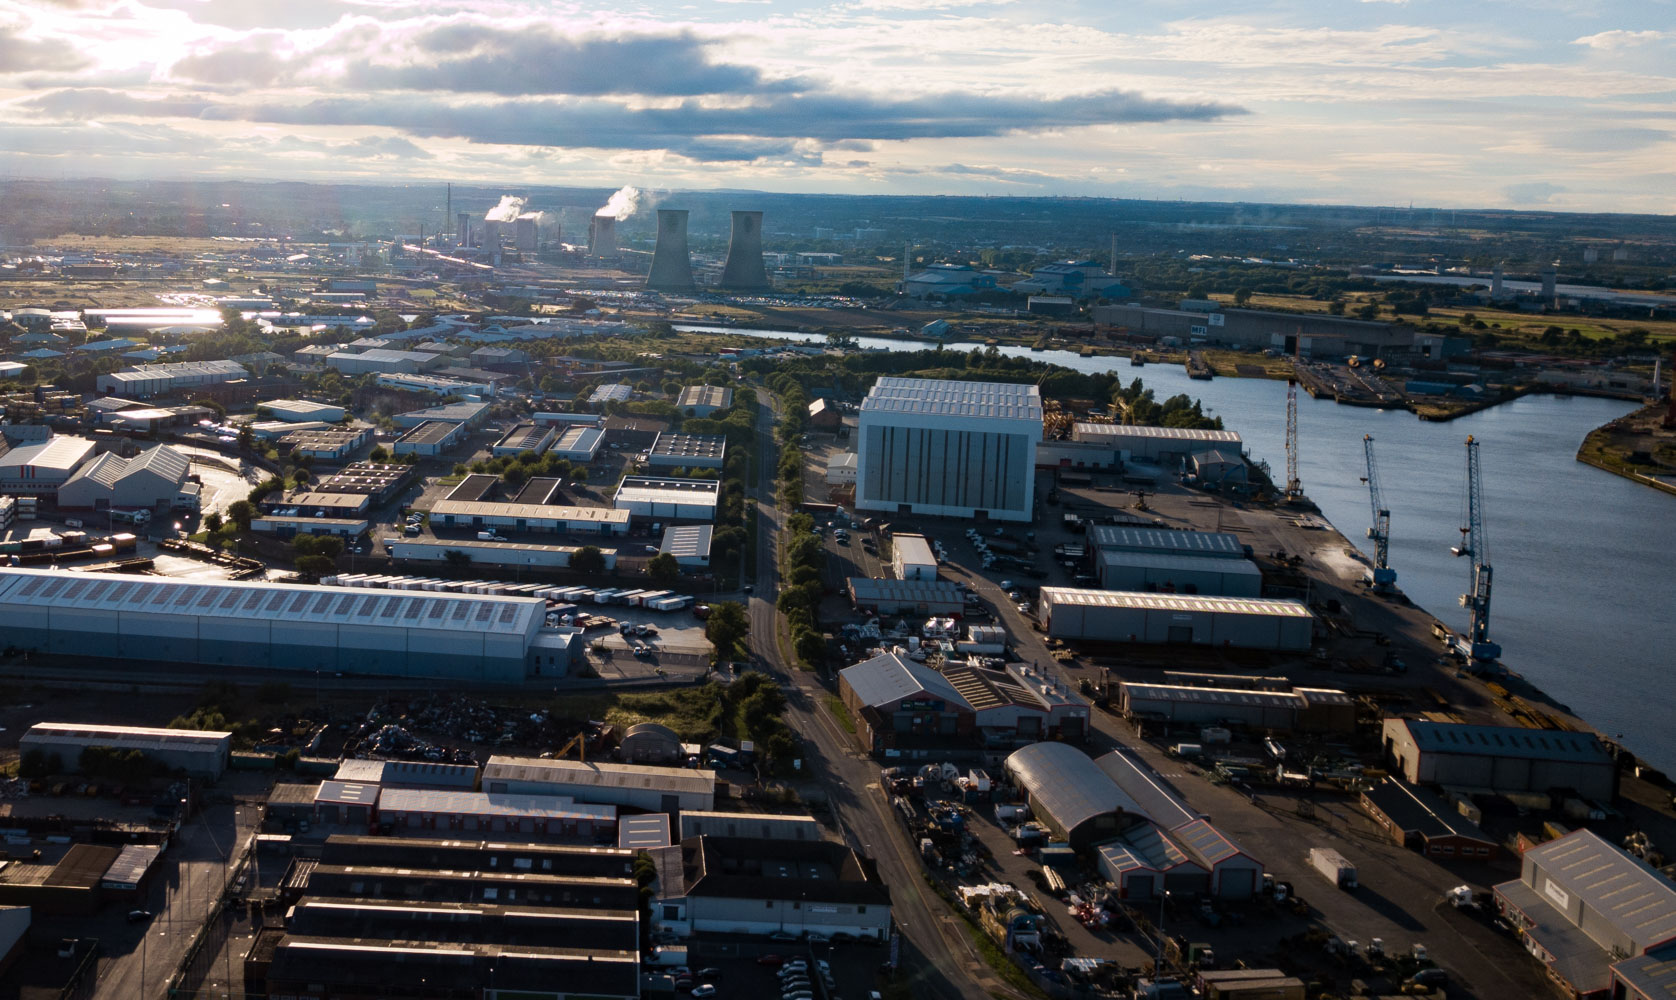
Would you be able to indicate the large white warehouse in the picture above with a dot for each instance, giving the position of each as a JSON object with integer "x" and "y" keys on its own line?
{"x": 954, "y": 449}
{"x": 153, "y": 478}
{"x": 1127, "y": 616}
{"x": 463, "y": 637}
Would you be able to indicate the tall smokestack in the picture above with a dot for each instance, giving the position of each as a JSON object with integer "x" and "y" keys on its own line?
{"x": 464, "y": 222}
{"x": 527, "y": 234}
{"x": 602, "y": 236}
{"x": 744, "y": 270}
{"x": 672, "y": 269}
{"x": 448, "y": 211}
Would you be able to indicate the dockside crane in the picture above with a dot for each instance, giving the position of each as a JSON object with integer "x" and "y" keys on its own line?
{"x": 1382, "y": 575}
{"x": 1294, "y": 487}
{"x": 1475, "y": 544}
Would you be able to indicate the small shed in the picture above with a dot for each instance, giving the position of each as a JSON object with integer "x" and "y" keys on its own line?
{"x": 650, "y": 743}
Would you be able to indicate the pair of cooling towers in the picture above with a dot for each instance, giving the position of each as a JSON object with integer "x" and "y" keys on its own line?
{"x": 672, "y": 269}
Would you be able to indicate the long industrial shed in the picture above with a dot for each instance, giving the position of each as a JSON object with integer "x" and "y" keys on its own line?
{"x": 271, "y": 625}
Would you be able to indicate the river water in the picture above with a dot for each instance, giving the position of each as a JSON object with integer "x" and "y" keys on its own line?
{"x": 1583, "y": 596}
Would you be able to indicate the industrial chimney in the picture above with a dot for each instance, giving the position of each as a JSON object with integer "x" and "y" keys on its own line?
{"x": 1550, "y": 286}
{"x": 602, "y": 236}
{"x": 528, "y": 236}
{"x": 744, "y": 270}
{"x": 464, "y": 233}
{"x": 1495, "y": 282}
{"x": 672, "y": 269}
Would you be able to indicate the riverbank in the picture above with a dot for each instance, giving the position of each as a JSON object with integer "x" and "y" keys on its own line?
{"x": 1636, "y": 446}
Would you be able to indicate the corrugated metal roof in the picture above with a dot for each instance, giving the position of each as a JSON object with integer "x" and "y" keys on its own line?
{"x": 599, "y": 774}
{"x": 1651, "y": 975}
{"x": 1067, "y": 783}
{"x": 347, "y": 793}
{"x": 134, "y": 737}
{"x": 1180, "y": 563}
{"x": 889, "y": 677}
{"x": 132, "y": 863}
{"x": 912, "y": 550}
{"x": 688, "y": 541}
{"x": 1146, "y": 848}
{"x": 1087, "y": 430}
{"x": 869, "y": 591}
{"x": 1160, "y": 802}
{"x": 1206, "y": 843}
{"x": 1174, "y": 602}
{"x": 1219, "y": 544}
{"x": 644, "y": 832}
{"x": 1186, "y": 694}
{"x": 530, "y": 511}
{"x": 1634, "y": 898}
{"x": 1506, "y": 741}
{"x": 256, "y": 600}
{"x": 647, "y": 489}
{"x": 1578, "y": 960}
{"x": 59, "y": 453}
{"x": 511, "y": 805}
{"x": 1006, "y": 400}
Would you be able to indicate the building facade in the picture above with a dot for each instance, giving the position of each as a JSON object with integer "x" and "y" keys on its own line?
{"x": 952, "y": 449}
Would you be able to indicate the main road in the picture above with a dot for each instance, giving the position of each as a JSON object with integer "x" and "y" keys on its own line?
{"x": 937, "y": 956}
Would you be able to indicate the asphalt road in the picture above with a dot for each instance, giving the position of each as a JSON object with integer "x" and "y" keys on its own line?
{"x": 937, "y": 955}
{"x": 194, "y": 873}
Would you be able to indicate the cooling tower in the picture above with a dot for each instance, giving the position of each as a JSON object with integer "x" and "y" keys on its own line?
{"x": 672, "y": 269}
{"x": 602, "y": 236}
{"x": 491, "y": 233}
{"x": 464, "y": 230}
{"x": 744, "y": 270}
{"x": 528, "y": 235}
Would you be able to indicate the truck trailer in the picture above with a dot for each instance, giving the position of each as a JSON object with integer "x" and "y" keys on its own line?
{"x": 1333, "y": 865}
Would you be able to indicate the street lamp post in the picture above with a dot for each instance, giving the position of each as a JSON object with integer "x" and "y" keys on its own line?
{"x": 1158, "y": 963}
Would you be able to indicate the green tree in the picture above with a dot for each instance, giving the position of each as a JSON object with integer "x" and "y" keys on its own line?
{"x": 1242, "y": 296}
{"x": 727, "y": 628}
{"x": 330, "y": 546}
{"x": 315, "y": 566}
{"x": 241, "y": 511}
{"x": 456, "y": 558}
{"x": 809, "y": 646}
{"x": 588, "y": 559}
{"x": 212, "y": 521}
{"x": 378, "y": 454}
{"x": 664, "y": 570}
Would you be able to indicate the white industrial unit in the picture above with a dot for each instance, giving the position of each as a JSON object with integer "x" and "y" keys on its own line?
{"x": 470, "y": 414}
{"x": 703, "y": 400}
{"x": 1128, "y": 616}
{"x": 40, "y": 469}
{"x": 260, "y": 624}
{"x": 911, "y": 558}
{"x": 654, "y": 789}
{"x": 954, "y": 449}
{"x": 677, "y": 499}
{"x": 688, "y": 543}
{"x": 538, "y": 517}
{"x": 200, "y": 753}
{"x": 579, "y": 444}
{"x": 1154, "y": 444}
{"x": 522, "y": 438}
{"x": 150, "y": 479}
{"x": 382, "y": 361}
{"x": 300, "y": 410}
{"x": 160, "y": 380}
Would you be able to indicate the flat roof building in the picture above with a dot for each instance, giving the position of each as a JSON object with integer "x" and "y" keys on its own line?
{"x": 703, "y": 400}
{"x": 759, "y": 886}
{"x": 892, "y": 597}
{"x": 522, "y": 438}
{"x": 1174, "y": 574}
{"x": 381, "y": 360}
{"x": 470, "y": 414}
{"x": 1156, "y": 445}
{"x": 1414, "y": 817}
{"x": 434, "y": 385}
{"x": 667, "y": 497}
{"x": 911, "y": 558}
{"x": 199, "y": 753}
{"x": 673, "y": 450}
{"x": 1501, "y": 758}
{"x": 431, "y": 438}
{"x": 300, "y": 410}
{"x": 531, "y": 517}
{"x": 160, "y": 380}
{"x": 1163, "y": 541}
{"x": 688, "y": 543}
{"x": 765, "y": 826}
{"x": 954, "y": 449}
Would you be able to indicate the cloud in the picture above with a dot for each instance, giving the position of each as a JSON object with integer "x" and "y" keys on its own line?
{"x": 771, "y": 126}
{"x": 471, "y": 57}
{"x": 1532, "y": 192}
{"x": 26, "y": 55}
{"x": 1620, "y": 39}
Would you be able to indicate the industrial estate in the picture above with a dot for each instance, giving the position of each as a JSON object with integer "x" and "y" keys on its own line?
{"x": 473, "y": 613}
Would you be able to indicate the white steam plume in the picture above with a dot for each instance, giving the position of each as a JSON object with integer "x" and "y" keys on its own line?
{"x": 624, "y": 203}
{"x": 510, "y": 207}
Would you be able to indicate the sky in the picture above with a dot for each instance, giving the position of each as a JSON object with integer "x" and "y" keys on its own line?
{"x": 1555, "y": 104}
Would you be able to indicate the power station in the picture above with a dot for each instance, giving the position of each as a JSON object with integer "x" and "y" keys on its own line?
{"x": 744, "y": 270}
{"x": 672, "y": 269}
{"x": 602, "y": 236}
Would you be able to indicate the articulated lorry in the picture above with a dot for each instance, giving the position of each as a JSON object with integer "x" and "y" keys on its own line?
{"x": 1333, "y": 865}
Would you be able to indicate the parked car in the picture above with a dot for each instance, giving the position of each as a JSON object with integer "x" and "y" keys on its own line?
{"x": 138, "y": 916}
{"x": 705, "y": 990}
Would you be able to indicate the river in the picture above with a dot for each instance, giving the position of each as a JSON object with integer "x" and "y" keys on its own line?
{"x": 1582, "y": 598}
